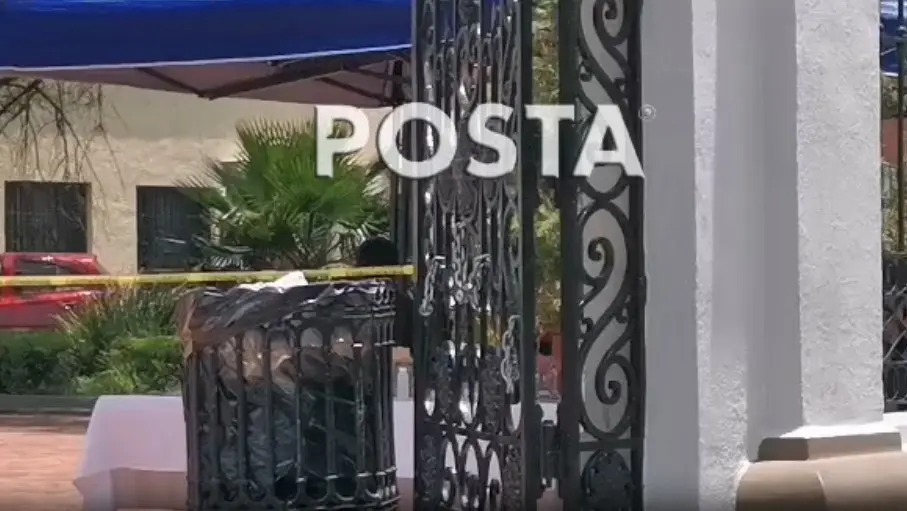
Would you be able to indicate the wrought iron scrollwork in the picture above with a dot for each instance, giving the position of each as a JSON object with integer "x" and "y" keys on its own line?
{"x": 469, "y": 445}
{"x": 604, "y": 283}
{"x": 476, "y": 359}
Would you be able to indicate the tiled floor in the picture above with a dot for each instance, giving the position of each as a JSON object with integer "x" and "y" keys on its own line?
{"x": 39, "y": 456}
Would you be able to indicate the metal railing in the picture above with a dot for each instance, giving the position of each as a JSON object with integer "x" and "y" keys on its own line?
{"x": 894, "y": 211}
{"x": 894, "y": 332}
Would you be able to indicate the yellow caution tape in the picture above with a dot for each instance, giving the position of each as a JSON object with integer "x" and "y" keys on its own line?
{"x": 205, "y": 278}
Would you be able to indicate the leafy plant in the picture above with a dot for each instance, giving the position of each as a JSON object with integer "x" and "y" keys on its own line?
{"x": 122, "y": 342}
{"x": 270, "y": 208}
{"x": 545, "y": 52}
{"x": 30, "y": 363}
{"x": 137, "y": 366}
{"x": 120, "y": 313}
{"x": 549, "y": 266}
{"x": 889, "y": 99}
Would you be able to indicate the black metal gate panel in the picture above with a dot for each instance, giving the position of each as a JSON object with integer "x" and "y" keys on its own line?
{"x": 600, "y": 419}
{"x": 475, "y": 356}
{"x": 480, "y": 439}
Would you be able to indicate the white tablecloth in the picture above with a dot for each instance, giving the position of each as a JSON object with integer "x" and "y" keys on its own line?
{"x": 135, "y": 452}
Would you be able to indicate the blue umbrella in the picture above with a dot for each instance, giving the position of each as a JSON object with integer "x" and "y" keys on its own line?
{"x": 312, "y": 51}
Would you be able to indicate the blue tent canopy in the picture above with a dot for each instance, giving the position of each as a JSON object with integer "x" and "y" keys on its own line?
{"x": 309, "y": 51}
{"x": 312, "y": 51}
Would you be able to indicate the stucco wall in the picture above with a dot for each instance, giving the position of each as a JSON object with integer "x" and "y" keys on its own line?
{"x": 149, "y": 138}
{"x": 762, "y": 232}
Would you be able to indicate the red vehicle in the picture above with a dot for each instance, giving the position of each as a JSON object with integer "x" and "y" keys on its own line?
{"x": 37, "y": 308}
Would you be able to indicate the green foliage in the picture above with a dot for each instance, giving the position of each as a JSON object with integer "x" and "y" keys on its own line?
{"x": 889, "y": 207}
{"x": 119, "y": 314}
{"x": 545, "y": 52}
{"x": 548, "y": 263}
{"x": 889, "y": 99}
{"x": 137, "y": 366}
{"x": 549, "y": 266}
{"x": 271, "y": 202}
{"x": 30, "y": 363}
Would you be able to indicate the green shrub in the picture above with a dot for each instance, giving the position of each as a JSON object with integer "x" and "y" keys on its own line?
{"x": 30, "y": 363}
{"x": 549, "y": 266}
{"x": 137, "y": 366}
{"x": 124, "y": 313}
{"x": 123, "y": 342}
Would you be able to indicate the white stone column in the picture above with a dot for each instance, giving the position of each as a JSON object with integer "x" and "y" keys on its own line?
{"x": 763, "y": 240}
{"x": 679, "y": 65}
{"x": 814, "y": 411}
{"x": 821, "y": 218}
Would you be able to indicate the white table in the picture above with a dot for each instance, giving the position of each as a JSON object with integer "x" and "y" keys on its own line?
{"x": 135, "y": 452}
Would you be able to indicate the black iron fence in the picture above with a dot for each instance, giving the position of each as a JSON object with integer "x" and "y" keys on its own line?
{"x": 894, "y": 191}
{"x": 894, "y": 333}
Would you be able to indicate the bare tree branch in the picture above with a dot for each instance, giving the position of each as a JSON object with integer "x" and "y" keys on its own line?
{"x": 50, "y": 122}
{"x": 17, "y": 101}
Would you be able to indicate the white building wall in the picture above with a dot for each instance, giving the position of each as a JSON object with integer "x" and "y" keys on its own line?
{"x": 763, "y": 239}
{"x": 148, "y": 138}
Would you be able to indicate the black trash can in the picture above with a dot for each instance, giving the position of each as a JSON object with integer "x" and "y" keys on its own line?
{"x": 288, "y": 397}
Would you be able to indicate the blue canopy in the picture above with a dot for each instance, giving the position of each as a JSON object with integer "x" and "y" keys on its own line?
{"x": 309, "y": 51}
{"x": 312, "y": 51}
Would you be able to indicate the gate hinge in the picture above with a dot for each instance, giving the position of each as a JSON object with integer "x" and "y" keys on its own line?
{"x": 550, "y": 463}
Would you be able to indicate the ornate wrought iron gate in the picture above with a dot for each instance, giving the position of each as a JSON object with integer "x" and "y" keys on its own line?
{"x": 481, "y": 442}
{"x": 474, "y": 297}
{"x": 601, "y": 417}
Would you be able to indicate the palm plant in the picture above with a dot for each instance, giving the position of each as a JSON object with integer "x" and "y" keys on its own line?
{"x": 270, "y": 206}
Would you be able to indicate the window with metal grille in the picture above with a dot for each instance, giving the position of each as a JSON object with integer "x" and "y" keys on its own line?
{"x": 168, "y": 222}
{"x": 46, "y": 217}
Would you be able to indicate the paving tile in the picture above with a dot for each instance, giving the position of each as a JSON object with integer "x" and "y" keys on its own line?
{"x": 39, "y": 457}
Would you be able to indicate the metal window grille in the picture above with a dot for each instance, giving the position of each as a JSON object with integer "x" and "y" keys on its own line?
{"x": 168, "y": 223}
{"x": 46, "y": 217}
